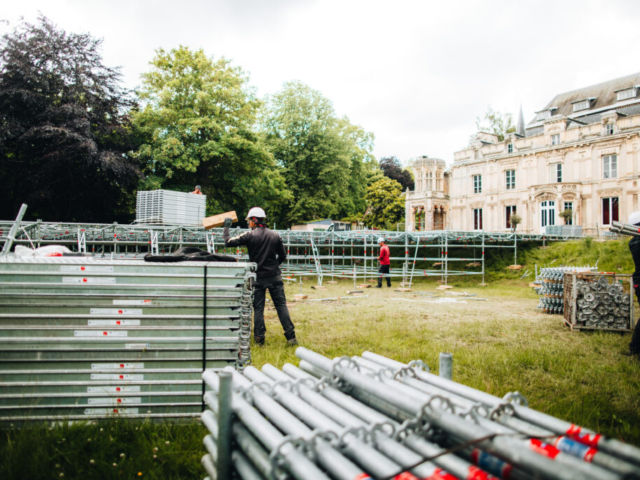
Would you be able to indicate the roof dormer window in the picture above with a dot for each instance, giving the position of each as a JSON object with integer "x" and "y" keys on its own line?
{"x": 627, "y": 93}
{"x": 544, "y": 114}
{"x": 582, "y": 104}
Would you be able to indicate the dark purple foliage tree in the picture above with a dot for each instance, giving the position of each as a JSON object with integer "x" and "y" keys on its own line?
{"x": 64, "y": 130}
{"x": 392, "y": 168}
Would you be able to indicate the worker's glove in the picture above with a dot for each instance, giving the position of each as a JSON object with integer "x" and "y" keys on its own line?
{"x": 227, "y": 222}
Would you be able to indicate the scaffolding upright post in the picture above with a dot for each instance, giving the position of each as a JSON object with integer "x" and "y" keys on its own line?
{"x": 515, "y": 248}
{"x": 332, "y": 253}
{"x": 365, "y": 259}
{"x": 446, "y": 258}
{"x": 483, "y": 256}
{"x": 14, "y": 230}
{"x": 406, "y": 259}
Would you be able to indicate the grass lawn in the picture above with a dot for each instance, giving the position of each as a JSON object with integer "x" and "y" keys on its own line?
{"x": 500, "y": 345}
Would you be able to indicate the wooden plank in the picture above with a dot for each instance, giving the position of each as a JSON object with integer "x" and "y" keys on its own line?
{"x": 218, "y": 220}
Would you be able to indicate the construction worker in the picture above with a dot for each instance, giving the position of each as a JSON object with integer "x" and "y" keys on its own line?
{"x": 267, "y": 250}
{"x": 634, "y": 247}
{"x": 385, "y": 262}
{"x": 198, "y": 191}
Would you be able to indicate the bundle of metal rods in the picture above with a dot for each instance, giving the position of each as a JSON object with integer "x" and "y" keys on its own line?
{"x": 625, "y": 229}
{"x": 551, "y": 289}
{"x": 372, "y": 417}
{"x": 603, "y": 303}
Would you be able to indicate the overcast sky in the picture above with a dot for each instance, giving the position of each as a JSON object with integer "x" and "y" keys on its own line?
{"x": 415, "y": 73}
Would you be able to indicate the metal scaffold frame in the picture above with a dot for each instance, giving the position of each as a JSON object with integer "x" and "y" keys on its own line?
{"x": 350, "y": 254}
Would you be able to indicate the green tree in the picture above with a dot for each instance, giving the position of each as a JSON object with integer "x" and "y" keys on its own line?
{"x": 325, "y": 159}
{"x": 198, "y": 124}
{"x": 385, "y": 204}
{"x": 496, "y": 122}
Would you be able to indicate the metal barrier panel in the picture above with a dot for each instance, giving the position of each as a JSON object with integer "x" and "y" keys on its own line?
{"x": 87, "y": 338}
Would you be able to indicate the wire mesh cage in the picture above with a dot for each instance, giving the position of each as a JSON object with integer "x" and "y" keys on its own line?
{"x": 598, "y": 301}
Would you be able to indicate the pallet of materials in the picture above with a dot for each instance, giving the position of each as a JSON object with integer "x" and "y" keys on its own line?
{"x": 599, "y": 301}
{"x": 82, "y": 338}
{"x": 166, "y": 207}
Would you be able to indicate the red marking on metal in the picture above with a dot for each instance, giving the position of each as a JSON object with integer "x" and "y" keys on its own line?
{"x": 104, "y": 333}
{"x": 118, "y": 322}
{"x": 119, "y": 312}
{"x": 115, "y": 410}
{"x": 122, "y": 365}
{"x": 83, "y": 268}
{"x": 543, "y": 449}
{"x": 405, "y": 476}
{"x": 474, "y": 455}
{"x": 121, "y": 377}
{"x": 362, "y": 476}
{"x": 474, "y": 473}
{"x": 119, "y": 400}
{"x": 586, "y": 438}
{"x": 117, "y": 389}
{"x": 506, "y": 472}
{"x": 441, "y": 474}
{"x": 84, "y": 280}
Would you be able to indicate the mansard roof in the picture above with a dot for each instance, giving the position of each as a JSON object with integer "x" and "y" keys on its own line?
{"x": 603, "y": 97}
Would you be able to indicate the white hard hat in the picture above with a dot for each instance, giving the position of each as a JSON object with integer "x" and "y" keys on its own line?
{"x": 634, "y": 218}
{"x": 381, "y": 240}
{"x": 256, "y": 212}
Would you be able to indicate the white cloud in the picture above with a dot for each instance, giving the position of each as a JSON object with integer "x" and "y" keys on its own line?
{"x": 416, "y": 73}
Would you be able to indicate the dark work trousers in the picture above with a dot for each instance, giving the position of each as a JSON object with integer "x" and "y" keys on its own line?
{"x": 384, "y": 271}
{"x": 276, "y": 290}
{"x": 634, "y": 246}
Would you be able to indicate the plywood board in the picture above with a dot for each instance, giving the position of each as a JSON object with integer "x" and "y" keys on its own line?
{"x": 218, "y": 220}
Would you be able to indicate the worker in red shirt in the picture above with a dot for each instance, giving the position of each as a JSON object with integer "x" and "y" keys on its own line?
{"x": 385, "y": 262}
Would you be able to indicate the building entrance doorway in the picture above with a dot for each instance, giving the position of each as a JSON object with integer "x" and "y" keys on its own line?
{"x": 438, "y": 220}
{"x": 547, "y": 214}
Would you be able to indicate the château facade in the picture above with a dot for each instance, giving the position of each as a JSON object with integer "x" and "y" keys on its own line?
{"x": 580, "y": 153}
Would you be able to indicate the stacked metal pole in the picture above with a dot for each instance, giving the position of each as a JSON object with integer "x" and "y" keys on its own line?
{"x": 551, "y": 287}
{"x": 625, "y": 229}
{"x": 372, "y": 417}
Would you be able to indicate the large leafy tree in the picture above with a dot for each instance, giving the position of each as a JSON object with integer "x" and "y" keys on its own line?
{"x": 385, "y": 204}
{"x": 496, "y": 122}
{"x": 392, "y": 168}
{"x": 198, "y": 126}
{"x": 325, "y": 159}
{"x": 64, "y": 131}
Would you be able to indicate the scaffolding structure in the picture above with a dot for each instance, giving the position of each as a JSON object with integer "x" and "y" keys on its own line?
{"x": 321, "y": 254}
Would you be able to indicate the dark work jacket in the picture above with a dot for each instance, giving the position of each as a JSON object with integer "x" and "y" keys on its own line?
{"x": 265, "y": 248}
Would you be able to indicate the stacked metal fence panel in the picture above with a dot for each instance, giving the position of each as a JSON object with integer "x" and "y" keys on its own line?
{"x": 166, "y": 207}
{"x": 86, "y": 338}
{"x": 372, "y": 417}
